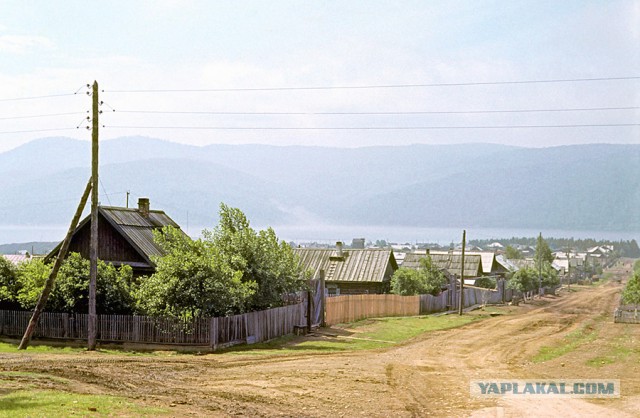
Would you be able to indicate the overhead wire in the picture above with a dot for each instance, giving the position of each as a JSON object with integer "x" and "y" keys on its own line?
{"x": 380, "y": 86}
{"x": 370, "y": 128}
{"x": 417, "y": 112}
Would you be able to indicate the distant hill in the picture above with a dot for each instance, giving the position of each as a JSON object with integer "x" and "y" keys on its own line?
{"x": 34, "y": 248}
{"x": 592, "y": 187}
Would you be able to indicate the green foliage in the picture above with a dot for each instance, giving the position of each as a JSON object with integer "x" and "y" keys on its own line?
{"x": 264, "y": 262}
{"x": 549, "y": 275}
{"x": 543, "y": 252}
{"x": 191, "y": 280}
{"x": 524, "y": 280}
{"x": 425, "y": 280}
{"x": 8, "y": 284}
{"x": 232, "y": 269}
{"x": 631, "y": 293}
{"x": 486, "y": 282}
{"x": 512, "y": 253}
{"x": 636, "y": 266}
{"x": 71, "y": 289}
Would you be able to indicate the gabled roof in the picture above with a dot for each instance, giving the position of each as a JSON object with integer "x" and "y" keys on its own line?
{"x": 451, "y": 263}
{"x": 135, "y": 228}
{"x": 362, "y": 265}
{"x": 489, "y": 263}
{"x": 138, "y": 229}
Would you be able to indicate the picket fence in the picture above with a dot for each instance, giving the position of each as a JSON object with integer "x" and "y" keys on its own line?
{"x": 627, "y": 314}
{"x": 252, "y": 327}
{"x": 214, "y": 332}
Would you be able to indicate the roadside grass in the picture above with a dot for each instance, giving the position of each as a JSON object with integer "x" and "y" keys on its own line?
{"x": 361, "y": 335}
{"x": 366, "y": 334}
{"x": 44, "y": 348}
{"x": 22, "y": 395}
{"x": 621, "y": 349}
{"x": 569, "y": 343}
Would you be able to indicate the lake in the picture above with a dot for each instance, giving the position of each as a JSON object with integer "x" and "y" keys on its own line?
{"x": 331, "y": 233}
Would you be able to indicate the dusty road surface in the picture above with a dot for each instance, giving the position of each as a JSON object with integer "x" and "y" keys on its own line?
{"x": 427, "y": 376}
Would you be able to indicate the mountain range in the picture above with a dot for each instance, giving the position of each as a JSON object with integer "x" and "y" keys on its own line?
{"x": 581, "y": 187}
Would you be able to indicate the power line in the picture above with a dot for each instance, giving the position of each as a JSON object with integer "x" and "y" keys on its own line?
{"x": 40, "y": 116}
{"x": 420, "y": 112}
{"x": 48, "y": 96}
{"x": 381, "y": 86}
{"x": 370, "y": 128}
{"x": 36, "y": 130}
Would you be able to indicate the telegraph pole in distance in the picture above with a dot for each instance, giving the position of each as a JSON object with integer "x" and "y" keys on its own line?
{"x": 93, "y": 250}
{"x": 461, "y": 305}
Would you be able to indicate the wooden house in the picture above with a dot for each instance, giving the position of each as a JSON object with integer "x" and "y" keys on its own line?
{"x": 350, "y": 272}
{"x": 125, "y": 236}
{"x": 450, "y": 263}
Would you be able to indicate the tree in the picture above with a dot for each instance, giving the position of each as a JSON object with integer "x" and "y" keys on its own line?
{"x": 523, "y": 280}
{"x": 192, "y": 280}
{"x": 631, "y": 293}
{"x": 71, "y": 291}
{"x": 512, "y": 253}
{"x": 232, "y": 269}
{"x": 543, "y": 252}
{"x": 486, "y": 282}
{"x": 425, "y": 280}
{"x": 270, "y": 265}
{"x": 9, "y": 285}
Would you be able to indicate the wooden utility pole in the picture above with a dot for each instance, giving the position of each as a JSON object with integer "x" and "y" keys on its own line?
{"x": 461, "y": 306}
{"x": 93, "y": 250}
{"x": 323, "y": 301}
{"x": 48, "y": 286}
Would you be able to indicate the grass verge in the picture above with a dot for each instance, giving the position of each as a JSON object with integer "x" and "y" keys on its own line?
{"x": 568, "y": 344}
{"x": 28, "y": 395}
{"x": 366, "y": 334}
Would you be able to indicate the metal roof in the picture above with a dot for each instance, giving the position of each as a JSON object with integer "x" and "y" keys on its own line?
{"x": 448, "y": 262}
{"x": 362, "y": 265}
{"x": 138, "y": 229}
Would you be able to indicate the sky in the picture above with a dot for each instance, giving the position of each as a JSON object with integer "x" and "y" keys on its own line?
{"x": 237, "y": 51}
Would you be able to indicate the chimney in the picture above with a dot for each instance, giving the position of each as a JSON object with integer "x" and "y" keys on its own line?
{"x": 339, "y": 248}
{"x": 143, "y": 206}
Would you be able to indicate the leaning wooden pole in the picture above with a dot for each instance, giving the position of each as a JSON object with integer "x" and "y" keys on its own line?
{"x": 461, "y": 306}
{"x": 93, "y": 249}
{"x": 48, "y": 286}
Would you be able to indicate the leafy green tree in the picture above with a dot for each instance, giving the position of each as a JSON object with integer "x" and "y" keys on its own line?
{"x": 550, "y": 276}
{"x": 631, "y": 293}
{"x": 524, "y": 280}
{"x": 425, "y": 280}
{"x": 9, "y": 285}
{"x": 192, "y": 280}
{"x": 71, "y": 290}
{"x": 512, "y": 253}
{"x": 486, "y": 282}
{"x": 270, "y": 265}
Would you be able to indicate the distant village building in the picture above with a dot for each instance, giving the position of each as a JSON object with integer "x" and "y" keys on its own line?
{"x": 16, "y": 259}
{"x": 350, "y": 272}
{"x": 125, "y": 236}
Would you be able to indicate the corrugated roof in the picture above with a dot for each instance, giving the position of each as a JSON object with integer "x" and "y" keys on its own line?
{"x": 138, "y": 229}
{"x": 450, "y": 263}
{"x": 363, "y": 265}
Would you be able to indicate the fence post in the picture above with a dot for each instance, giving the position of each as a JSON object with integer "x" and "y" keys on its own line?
{"x": 309, "y": 309}
{"x": 213, "y": 333}
{"x": 322, "y": 300}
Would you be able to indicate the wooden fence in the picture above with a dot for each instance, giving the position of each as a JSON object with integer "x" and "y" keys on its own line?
{"x": 349, "y": 308}
{"x": 627, "y": 314}
{"x": 214, "y": 332}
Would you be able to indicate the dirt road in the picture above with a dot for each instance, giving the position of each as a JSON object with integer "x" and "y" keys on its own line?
{"x": 428, "y": 376}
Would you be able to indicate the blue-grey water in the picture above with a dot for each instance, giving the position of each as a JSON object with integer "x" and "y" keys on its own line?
{"x": 333, "y": 233}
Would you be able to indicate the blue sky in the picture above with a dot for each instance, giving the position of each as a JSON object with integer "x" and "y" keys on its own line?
{"x": 50, "y": 47}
